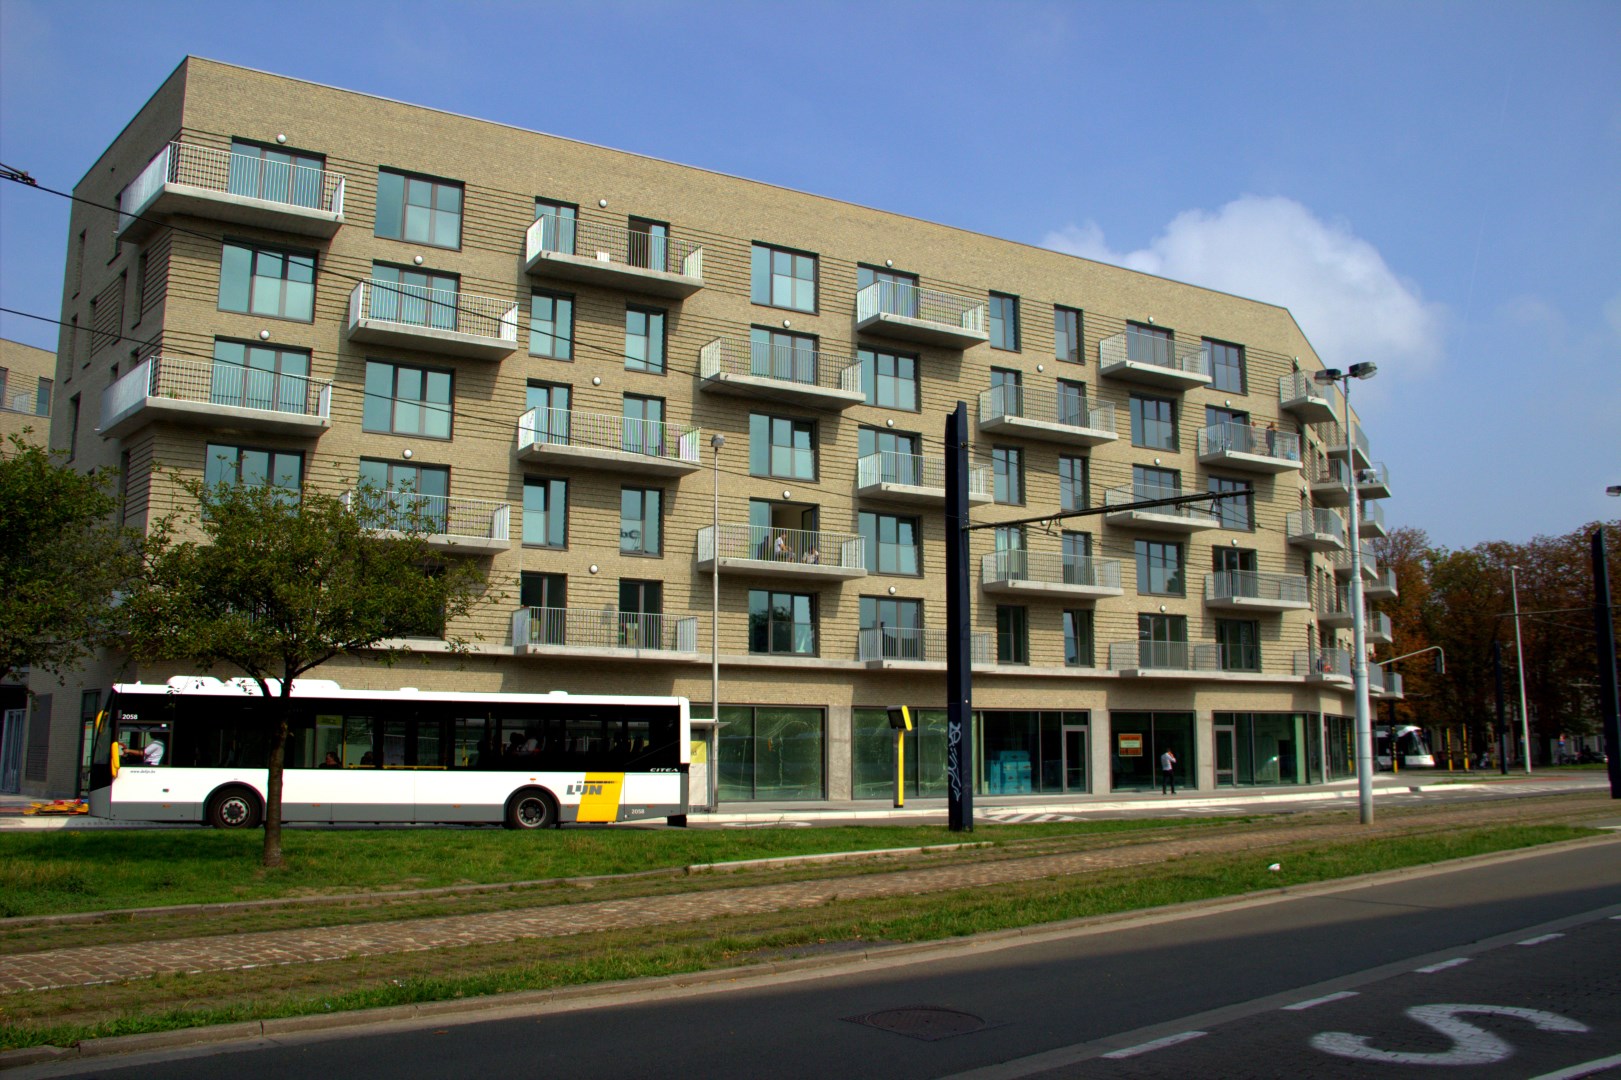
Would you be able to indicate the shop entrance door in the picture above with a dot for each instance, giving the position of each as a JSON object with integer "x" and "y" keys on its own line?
{"x": 1226, "y": 744}
{"x": 1075, "y": 744}
{"x": 11, "y": 752}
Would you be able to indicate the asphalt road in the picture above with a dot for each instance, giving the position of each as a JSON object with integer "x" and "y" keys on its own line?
{"x": 1056, "y": 1007}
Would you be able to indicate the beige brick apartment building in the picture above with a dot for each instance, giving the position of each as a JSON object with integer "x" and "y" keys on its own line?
{"x": 538, "y": 339}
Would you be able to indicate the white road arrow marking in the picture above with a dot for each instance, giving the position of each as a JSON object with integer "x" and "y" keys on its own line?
{"x": 1470, "y": 1045}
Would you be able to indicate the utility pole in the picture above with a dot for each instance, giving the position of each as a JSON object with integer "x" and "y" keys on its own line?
{"x": 1603, "y": 622}
{"x": 959, "y": 655}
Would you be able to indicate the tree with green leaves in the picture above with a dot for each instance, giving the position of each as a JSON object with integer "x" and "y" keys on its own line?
{"x": 63, "y": 558}
{"x": 280, "y": 583}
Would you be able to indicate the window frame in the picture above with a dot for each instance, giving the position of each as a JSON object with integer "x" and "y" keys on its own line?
{"x": 1142, "y": 423}
{"x": 1007, "y": 320}
{"x": 1067, "y": 485}
{"x": 1007, "y": 469}
{"x": 650, "y": 314}
{"x": 874, "y": 545}
{"x": 210, "y": 458}
{"x": 1220, "y": 509}
{"x": 770, "y": 251}
{"x": 550, "y": 485}
{"x": 873, "y": 378}
{"x": 424, "y": 405}
{"x": 769, "y": 446}
{"x": 436, "y": 183}
{"x": 1252, "y": 647}
{"x": 770, "y": 623}
{"x": 653, "y": 524}
{"x": 1013, "y": 634}
{"x": 1068, "y": 320}
{"x": 1211, "y": 345}
{"x": 567, "y": 337}
{"x": 1072, "y": 619}
{"x": 255, "y": 251}
{"x": 1154, "y": 568}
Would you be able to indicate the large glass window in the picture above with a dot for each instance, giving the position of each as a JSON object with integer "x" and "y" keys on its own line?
{"x": 782, "y": 622}
{"x": 406, "y": 400}
{"x": 1072, "y": 403}
{"x": 889, "y": 379}
{"x": 1162, "y": 641}
{"x": 409, "y": 496}
{"x": 419, "y": 209}
{"x": 771, "y": 753}
{"x": 545, "y": 512}
{"x": 1067, "y": 335}
{"x": 233, "y": 465}
{"x": 1238, "y": 510}
{"x": 1077, "y": 557}
{"x": 414, "y": 297}
{"x": 892, "y": 629}
{"x": 1149, "y": 344}
{"x": 552, "y": 415}
{"x": 1022, "y": 751}
{"x": 1074, "y": 483}
{"x": 561, "y": 221}
{"x": 1159, "y": 568}
{"x": 892, "y": 543}
{"x": 1078, "y": 643}
{"x": 1148, "y": 482}
{"x": 899, "y": 454}
{"x": 781, "y": 446}
{"x": 642, "y": 424}
{"x": 649, "y": 244}
{"x": 265, "y": 281}
{"x": 644, "y": 340}
{"x": 783, "y": 278}
{"x": 1153, "y": 423}
{"x": 250, "y": 376}
{"x": 1012, "y": 634}
{"x": 1273, "y": 748}
{"x": 639, "y": 531}
{"x": 1004, "y": 322}
{"x": 1137, "y": 741}
{"x": 549, "y": 594}
{"x": 275, "y": 174}
{"x": 897, "y": 290}
{"x": 1007, "y": 466}
{"x": 1238, "y": 643}
{"x": 778, "y": 354}
{"x": 1226, "y": 366}
{"x": 872, "y": 754}
{"x": 551, "y": 325}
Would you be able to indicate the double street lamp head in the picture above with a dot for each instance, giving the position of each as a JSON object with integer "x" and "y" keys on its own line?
{"x": 1365, "y": 370}
{"x": 1613, "y": 489}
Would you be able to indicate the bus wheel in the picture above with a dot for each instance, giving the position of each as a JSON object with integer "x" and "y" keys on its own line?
{"x": 531, "y": 809}
{"x": 234, "y": 808}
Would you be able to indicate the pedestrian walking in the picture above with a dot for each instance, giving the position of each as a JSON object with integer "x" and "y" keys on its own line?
{"x": 1167, "y": 772}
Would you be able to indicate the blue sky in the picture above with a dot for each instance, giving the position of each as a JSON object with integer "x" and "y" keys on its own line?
{"x": 1435, "y": 187}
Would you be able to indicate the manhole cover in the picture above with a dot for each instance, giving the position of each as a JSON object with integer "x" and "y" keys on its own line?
{"x": 927, "y": 1022}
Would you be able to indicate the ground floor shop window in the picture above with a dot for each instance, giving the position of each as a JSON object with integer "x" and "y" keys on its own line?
{"x": 872, "y": 754}
{"x": 1136, "y": 741}
{"x": 1021, "y": 752}
{"x": 1341, "y": 746}
{"x": 772, "y": 753}
{"x": 1267, "y": 748}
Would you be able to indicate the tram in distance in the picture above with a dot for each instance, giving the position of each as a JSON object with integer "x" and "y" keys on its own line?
{"x": 1408, "y": 740}
{"x": 197, "y": 749}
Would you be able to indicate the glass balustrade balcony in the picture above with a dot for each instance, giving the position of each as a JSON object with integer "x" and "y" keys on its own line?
{"x": 637, "y": 260}
{"x": 215, "y": 395}
{"x": 1382, "y": 585}
{"x": 610, "y": 442}
{"x": 1164, "y": 656}
{"x": 1372, "y": 523}
{"x": 775, "y": 373}
{"x": 1332, "y": 436}
{"x": 1315, "y": 530}
{"x": 1378, "y": 629}
{"x": 1054, "y": 415}
{"x": 1309, "y": 400}
{"x": 881, "y": 647}
{"x": 895, "y": 309}
{"x": 207, "y": 182}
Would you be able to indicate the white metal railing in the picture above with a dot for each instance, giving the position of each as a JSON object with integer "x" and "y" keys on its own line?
{"x": 915, "y": 470}
{"x": 1049, "y": 406}
{"x": 1186, "y": 357}
{"x": 1341, "y": 561}
{"x": 780, "y": 363}
{"x": 1051, "y": 567}
{"x": 1331, "y": 434}
{"x": 764, "y": 543}
{"x": 583, "y": 628}
{"x": 1316, "y": 521}
{"x": 415, "y": 306}
{"x": 1164, "y": 656}
{"x": 1255, "y": 585}
{"x": 1298, "y": 385}
{"x": 900, "y": 643}
{"x": 1249, "y": 439}
{"x": 925, "y": 305}
{"x": 28, "y": 401}
{"x": 219, "y": 383}
{"x": 245, "y": 175}
{"x": 613, "y": 246}
{"x": 442, "y": 515}
{"x": 1146, "y": 492}
{"x": 1330, "y": 662}
{"x": 605, "y": 431}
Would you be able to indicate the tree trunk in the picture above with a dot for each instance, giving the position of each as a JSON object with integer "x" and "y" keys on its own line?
{"x": 278, "y": 756}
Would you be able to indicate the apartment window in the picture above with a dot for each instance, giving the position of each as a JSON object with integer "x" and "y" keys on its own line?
{"x": 782, "y": 622}
{"x": 250, "y": 467}
{"x": 892, "y": 543}
{"x": 779, "y": 446}
{"x": 123, "y": 303}
{"x": 644, "y": 340}
{"x": 897, "y": 626}
{"x": 73, "y": 427}
{"x": 1238, "y": 644}
{"x": 649, "y": 244}
{"x": 1226, "y": 366}
{"x": 407, "y": 400}
{"x": 1009, "y": 537}
{"x": 1012, "y": 634}
{"x": 1072, "y": 403}
{"x": 560, "y": 223}
{"x": 419, "y": 209}
{"x": 1007, "y": 465}
{"x": 141, "y": 266}
{"x": 897, "y": 291}
{"x": 1237, "y": 511}
{"x": 1077, "y": 558}
{"x": 1007, "y": 392}
{"x": 899, "y": 458}
{"x": 782, "y": 278}
{"x": 1159, "y": 569}
{"x": 550, "y": 403}
{"x": 1162, "y": 641}
{"x": 549, "y": 593}
{"x": 414, "y": 297}
{"x": 123, "y": 487}
{"x": 641, "y": 613}
{"x": 778, "y": 354}
{"x": 1067, "y": 335}
{"x": 551, "y": 325}
{"x": 411, "y": 496}
{"x": 78, "y": 263}
{"x": 642, "y": 425}
{"x": 42, "y": 396}
{"x": 1153, "y": 423}
{"x": 1148, "y": 344}
{"x": 1004, "y": 322}
{"x": 889, "y": 380}
{"x": 1074, "y": 483}
{"x": 1148, "y": 482}
{"x": 253, "y": 376}
{"x": 1229, "y": 560}
{"x": 639, "y": 516}
{"x": 1079, "y": 647}
{"x": 545, "y": 512}
{"x": 265, "y": 281}
{"x": 275, "y": 174}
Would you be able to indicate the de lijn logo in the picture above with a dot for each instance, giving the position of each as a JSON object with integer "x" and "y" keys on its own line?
{"x": 594, "y": 788}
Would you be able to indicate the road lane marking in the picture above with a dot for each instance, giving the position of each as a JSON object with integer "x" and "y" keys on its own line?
{"x": 1301, "y": 1006}
{"x": 1471, "y": 1045}
{"x": 1586, "y": 1068}
{"x": 1456, "y": 961}
{"x": 1539, "y": 939}
{"x": 1156, "y": 1044}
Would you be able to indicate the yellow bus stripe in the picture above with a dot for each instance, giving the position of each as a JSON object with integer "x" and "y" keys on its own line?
{"x": 600, "y": 800}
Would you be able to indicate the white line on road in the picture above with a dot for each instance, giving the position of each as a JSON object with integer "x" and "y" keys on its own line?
{"x": 1587, "y": 1068}
{"x": 1539, "y": 940}
{"x": 1456, "y": 961}
{"x": 1301, "y": 1006}
{"x": 1157, "y": 1044}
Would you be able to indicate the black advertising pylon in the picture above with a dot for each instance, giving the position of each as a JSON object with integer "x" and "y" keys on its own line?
{"x": 959, "y": 657}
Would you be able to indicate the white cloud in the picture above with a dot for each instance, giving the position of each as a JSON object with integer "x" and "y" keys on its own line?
{"x": 1347, "y": 300}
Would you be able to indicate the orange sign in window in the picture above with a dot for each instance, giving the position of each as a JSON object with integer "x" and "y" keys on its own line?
{"x": 1131, "y": 745}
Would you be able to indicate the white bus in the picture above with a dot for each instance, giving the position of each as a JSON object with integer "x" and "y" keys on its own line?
{"x": 524, "y": 760}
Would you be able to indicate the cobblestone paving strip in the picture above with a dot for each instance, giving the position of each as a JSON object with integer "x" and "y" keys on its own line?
{"x": 92, "y": 965}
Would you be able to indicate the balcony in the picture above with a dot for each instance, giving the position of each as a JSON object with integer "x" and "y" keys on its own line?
{"x": 805, "y": 377}
{"x": 1332, "y": 436}
{"x": 465, "y": 526}
{"x": 1390, "y": 685}
{"x": 894, "y": 309}
{"x": 912, "y": 478}
{"x": 605, "y": 441}
{"x": 1250, "y": 447}
{"x": 912, "y": 648}
{"x": 1343, "y": 561}
{"x": 1334, "y": 608}
{"x": 432, "y": 320}
{"x": 1309, "y": 400}
{"x": 604, "y": 635}
{"x": 1049, "y": 573}
{"x": 1374, "y": 482}
{"x": 206, "y": 182}
{"x": 1315, "y": 530}
{"x": 1163, "y": 656}
{"x": 1328, "y": 479}
{"x": 764, "y": 551}
{"x": 1152, "y": 361}
{"x": 227, "y": 397}
{"x": 1039, "y": 413}
{"x": 598, "y": 254}
{"x": 1248, "y": 590}
{"x": 1378, "y": 629}
{"x": 1373, "y": 520}
{"x": 1382, "y": 586}
{"x": 1187, "y": 518}
{"x": 1324, "y": 666}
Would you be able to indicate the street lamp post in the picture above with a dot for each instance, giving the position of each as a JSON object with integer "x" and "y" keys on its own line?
{"x": 1359, "y": 630}
{"x": 1519, "y": 662}
{"x": 716, "y": 441}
